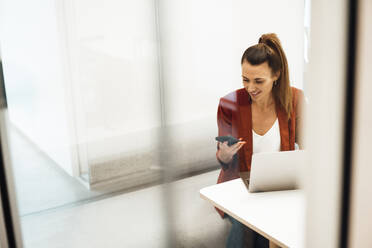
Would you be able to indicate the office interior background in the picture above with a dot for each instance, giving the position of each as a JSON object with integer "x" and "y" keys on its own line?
{"x": 111, "y": 116}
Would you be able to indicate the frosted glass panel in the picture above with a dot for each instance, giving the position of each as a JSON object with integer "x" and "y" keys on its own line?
{"x": 117, "y": 67}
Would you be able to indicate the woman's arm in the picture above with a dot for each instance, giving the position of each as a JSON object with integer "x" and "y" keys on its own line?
{"x": 224, "y": 123}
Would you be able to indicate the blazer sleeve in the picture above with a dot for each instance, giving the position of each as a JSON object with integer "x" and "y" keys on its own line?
{"x": 224, "y": 123}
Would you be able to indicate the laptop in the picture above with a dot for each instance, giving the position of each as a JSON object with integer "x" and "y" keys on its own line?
{"x": 274, "y": 171}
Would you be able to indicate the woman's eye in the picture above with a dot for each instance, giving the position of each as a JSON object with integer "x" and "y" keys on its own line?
{"x": 259, "y": 82}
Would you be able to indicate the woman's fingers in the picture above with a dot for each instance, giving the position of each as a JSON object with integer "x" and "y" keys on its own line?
{"x": 231, "y": 150}
{"x": 239, "y": 145}
{"x": 224, "y": 144}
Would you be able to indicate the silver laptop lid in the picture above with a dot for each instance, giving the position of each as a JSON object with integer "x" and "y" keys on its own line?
{"x": 276, "y": 171}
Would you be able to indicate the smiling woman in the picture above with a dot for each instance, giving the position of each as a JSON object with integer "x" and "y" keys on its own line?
{"x": 267, "y": 59}
{"x": 266, "y": 103}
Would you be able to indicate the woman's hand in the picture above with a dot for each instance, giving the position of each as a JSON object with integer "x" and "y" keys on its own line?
{"x": 226, "y": 153}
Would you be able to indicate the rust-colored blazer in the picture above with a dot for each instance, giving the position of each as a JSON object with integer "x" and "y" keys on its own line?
{"x": 234, "y": 117}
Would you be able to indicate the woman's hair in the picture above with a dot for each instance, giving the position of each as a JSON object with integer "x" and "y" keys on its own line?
{"x": 269, "y": 49}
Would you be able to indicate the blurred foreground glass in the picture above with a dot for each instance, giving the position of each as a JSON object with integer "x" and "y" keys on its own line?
{"x": 119, "y": 95}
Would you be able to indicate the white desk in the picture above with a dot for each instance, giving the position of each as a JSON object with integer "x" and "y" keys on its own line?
{"x": 279, "y": 216}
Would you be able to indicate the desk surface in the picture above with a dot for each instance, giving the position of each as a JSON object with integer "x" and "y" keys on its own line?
{"x": 277, "y": 215}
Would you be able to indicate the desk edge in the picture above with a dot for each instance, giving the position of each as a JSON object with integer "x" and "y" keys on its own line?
{"x": 242, "y": 221}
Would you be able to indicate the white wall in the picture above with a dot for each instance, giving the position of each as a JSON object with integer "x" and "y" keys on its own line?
{"x": 34, "y": 79}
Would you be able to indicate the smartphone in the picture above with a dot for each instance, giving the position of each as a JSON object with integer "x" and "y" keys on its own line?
{"x": 230, "y": 139}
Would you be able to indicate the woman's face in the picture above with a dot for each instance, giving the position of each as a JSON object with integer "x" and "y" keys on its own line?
{"x": 258, "y": 81}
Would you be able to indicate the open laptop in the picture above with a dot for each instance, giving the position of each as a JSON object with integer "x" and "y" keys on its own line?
{"x": 274, "y": 171}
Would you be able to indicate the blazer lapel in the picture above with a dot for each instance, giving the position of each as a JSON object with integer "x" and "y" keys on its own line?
{"x": 283, "y": 127}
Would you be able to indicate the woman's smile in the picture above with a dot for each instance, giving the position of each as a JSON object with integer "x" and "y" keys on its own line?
{"x": 254, "y": 94}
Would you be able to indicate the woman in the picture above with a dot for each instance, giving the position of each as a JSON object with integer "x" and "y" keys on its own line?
{"x": 265, "y": 115}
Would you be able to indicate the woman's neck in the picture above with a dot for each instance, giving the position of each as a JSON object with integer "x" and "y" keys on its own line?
{"x": 265, "y": 104}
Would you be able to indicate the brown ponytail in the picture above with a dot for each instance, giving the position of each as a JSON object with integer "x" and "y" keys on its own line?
{"x": 269, "y": 49}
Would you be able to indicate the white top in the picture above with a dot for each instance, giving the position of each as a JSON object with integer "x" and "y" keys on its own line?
{"x": 277, "y": 215}
{"x": 269, "y": 142}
